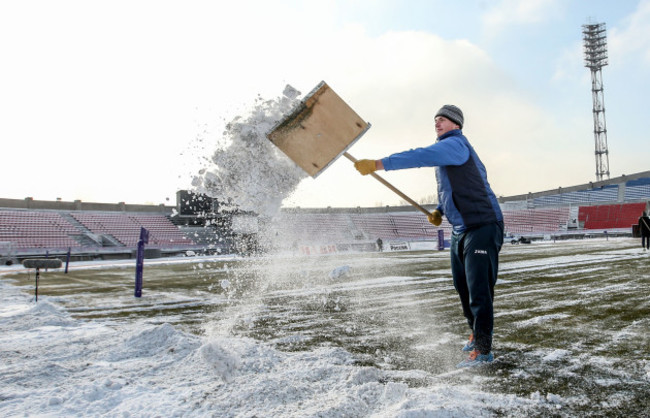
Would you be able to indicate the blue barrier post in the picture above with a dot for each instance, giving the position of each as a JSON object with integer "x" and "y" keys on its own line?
{"x": 139, "y": 264}
{"x": 441, "y": 240}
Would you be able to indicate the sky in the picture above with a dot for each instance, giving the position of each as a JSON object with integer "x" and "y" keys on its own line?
{"x": 123, "y": 101}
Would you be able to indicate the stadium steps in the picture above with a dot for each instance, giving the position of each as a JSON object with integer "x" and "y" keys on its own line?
{"x": 86, "y": 238}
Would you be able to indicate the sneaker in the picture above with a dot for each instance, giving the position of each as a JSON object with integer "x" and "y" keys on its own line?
{"x": 470, "y": 343}
{"x": 476, "y": 359}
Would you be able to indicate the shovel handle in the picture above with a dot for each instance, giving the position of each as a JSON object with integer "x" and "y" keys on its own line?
{"x": 390, "y": 186}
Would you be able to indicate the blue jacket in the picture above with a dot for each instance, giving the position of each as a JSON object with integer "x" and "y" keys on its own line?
{"x": 464, "y": 194}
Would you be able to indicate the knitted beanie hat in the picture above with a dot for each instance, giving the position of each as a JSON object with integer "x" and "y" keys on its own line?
{"x": 452, "y": 113}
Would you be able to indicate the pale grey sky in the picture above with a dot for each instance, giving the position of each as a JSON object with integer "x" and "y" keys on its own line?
{"x": 122, "y": 100}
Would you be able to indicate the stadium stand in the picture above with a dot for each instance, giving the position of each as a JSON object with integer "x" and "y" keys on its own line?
{"x": 118, "y": 225}
{"x": 638, "y": 189}
{"x": 396, "y": 225}
{"x": 413, "y": 225}
{"x": 610, "y": 216}
{"x": 99, "y": 228}
{"x": 27, "y": 229}
{"x": 161, "y": 231}
{"x": 33, "y": 229}
{"x": 126, "y": 227}
{"x": 346, "y": 227}
{"x": 315, "y": 227}
{"x": 379, "y": 225}
{"x": 536, "y": 221}
{"x": 579, "y": 197}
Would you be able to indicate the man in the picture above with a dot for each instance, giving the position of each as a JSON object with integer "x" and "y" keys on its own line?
{"x": 644, "y": 230}
{"x": 472, "y": 209}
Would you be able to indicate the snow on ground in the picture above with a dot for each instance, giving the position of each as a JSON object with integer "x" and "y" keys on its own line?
{"x": 380, "y": 340}
{"x": 59, "y": 366}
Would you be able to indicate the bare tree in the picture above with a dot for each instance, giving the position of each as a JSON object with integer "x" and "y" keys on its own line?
{"x": 431, "y": 199}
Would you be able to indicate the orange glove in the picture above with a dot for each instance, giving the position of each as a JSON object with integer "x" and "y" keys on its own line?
{"x": 435, "y": 217}
{"x": 365, "y": 166}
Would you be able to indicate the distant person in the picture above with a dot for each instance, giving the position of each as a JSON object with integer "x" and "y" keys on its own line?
{"x": 380, "y": 244}
{"x": 472, "y": 209}
{"x": 644, "y": 230}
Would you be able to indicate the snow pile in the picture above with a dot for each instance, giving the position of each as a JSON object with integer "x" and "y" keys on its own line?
{"x": 39, "y": 315}
{"x": 247, "y": 170}
{"x": 155, "y": 341}
{"x": 54, "y": 365}
{"x": 221, "y": 361}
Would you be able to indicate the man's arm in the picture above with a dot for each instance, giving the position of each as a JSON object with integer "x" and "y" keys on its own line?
{"x": 443, "y": 153}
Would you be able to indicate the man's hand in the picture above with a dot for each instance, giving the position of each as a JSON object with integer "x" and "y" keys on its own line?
{"x": 435, "y": 217}
{"x": 365, "y": 167}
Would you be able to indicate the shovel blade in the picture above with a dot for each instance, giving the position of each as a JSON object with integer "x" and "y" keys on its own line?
{"x": 319, "y": 131}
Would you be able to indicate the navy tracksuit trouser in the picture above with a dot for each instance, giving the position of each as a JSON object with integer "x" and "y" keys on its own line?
{"x": 474, "y": 267}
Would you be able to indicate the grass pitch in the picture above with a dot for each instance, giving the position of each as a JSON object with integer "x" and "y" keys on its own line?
{"x": 570, "y": 327}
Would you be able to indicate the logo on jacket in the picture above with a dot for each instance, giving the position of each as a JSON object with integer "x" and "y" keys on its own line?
{"x": 480, "y": 252}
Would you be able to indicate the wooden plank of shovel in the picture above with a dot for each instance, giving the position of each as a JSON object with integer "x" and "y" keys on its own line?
{"x": 320, "y": 130}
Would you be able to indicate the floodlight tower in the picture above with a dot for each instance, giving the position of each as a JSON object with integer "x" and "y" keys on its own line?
{"x": 595, "y": 46}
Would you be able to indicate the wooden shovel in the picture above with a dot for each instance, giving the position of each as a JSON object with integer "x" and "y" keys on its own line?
{"x": 320, "y": 130}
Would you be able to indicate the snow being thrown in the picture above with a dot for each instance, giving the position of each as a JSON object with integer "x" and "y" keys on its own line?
{"x": 246, "y": 169}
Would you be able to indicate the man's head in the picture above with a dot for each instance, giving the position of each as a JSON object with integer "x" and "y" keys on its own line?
{"x": 452, "y": 114}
